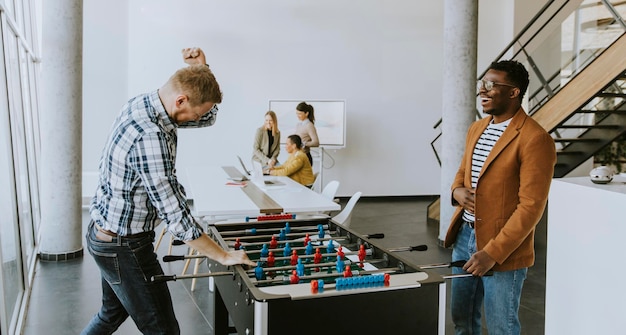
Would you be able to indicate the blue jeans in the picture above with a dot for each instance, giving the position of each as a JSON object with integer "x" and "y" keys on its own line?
{"x": 501, "y": 294}
{"x": 126, "y": 267}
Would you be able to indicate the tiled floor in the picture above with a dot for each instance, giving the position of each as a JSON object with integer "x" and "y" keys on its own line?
{"x": 66, "y": 294}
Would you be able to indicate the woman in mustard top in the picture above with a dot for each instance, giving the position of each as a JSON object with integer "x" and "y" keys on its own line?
{"x": 297, "y": 166}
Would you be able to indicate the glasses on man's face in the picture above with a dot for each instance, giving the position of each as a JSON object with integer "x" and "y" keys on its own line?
{"x": 488, "y": 84}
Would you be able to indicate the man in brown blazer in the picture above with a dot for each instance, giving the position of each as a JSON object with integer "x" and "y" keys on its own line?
{"x": 500, "y": 190}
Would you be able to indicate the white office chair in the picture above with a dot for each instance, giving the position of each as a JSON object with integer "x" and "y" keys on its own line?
{"x": 344, "y": 217}
{"x": 330, "y": 190}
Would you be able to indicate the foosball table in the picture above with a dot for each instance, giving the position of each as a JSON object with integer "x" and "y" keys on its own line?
{"x": 314, "y": 277}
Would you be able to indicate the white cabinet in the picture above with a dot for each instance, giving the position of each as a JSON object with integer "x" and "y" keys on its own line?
{"x": 585, "y": 282}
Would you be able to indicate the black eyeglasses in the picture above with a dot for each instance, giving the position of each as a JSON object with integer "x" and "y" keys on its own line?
{"x": 488, "y": 84}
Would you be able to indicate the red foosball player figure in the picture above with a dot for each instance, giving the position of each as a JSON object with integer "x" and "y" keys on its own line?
{"x": 361, "y": 255}
{"x": 306, "y": 239}
{"x": 273, "y": 243}
{"x": 317, "y": 258}
{"x": 294, "y": 279}
{"x": 340, "y": 252}
{"x": 294, "y": 258}
{"x": 347, "y": 272}
{"x": 237, "y": 244}
{"x": 270, "y": 259}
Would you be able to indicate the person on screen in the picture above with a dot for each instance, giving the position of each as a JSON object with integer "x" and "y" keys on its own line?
{"x": 306, "y": 128}
{"x": 297, "y": 166}
{"x": 266, "y": 145}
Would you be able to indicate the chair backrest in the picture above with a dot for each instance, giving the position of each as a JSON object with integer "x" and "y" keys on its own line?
{"x": 344, "y": 217}
{"x": 314, "y": 180}
{"x": 330, "y": 190}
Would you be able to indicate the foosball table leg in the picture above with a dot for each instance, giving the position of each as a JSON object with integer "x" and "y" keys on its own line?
{"x": 220, "y": 315}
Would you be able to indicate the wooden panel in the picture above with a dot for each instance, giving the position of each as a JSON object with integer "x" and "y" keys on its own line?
{"x": 583, "y": 86}
{"x": 266, "y": 204}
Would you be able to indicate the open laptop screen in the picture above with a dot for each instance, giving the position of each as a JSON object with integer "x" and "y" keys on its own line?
{"x": 243, "y": 166}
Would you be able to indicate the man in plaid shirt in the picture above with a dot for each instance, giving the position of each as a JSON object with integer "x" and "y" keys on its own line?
{"x": 138, "y": 189}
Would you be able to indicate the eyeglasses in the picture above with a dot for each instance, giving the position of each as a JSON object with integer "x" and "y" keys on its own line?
{"x": 488, "y": 84}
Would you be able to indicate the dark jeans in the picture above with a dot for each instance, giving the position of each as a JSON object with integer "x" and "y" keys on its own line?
{"x": 126, "y": 267}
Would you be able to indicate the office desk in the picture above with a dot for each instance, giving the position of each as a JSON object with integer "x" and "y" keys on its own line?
{"x": 212, "y": 197}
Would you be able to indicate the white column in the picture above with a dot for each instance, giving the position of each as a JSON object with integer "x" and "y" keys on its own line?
{"x": 61, "y": 129}
{"x": 459, "y": 93}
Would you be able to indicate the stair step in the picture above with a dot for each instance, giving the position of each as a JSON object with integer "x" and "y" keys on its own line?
{"x": 605, "y": 111}
{"x": 570, "y": 152}
{"x": 598, "y": 126}
{"x": 611, "y": 95}
{"x": 577, "y": 139}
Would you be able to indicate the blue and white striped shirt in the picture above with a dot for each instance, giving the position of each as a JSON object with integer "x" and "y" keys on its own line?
{"x": 137, "y": 186}
{"x": 483, "y": 147}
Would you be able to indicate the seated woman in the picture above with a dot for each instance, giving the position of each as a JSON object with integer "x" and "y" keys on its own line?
{"x": 267, "y": 141}
{"x": 297, "y": 166}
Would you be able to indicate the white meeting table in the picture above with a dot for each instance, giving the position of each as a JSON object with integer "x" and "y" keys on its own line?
{"x": 213, "y": 197}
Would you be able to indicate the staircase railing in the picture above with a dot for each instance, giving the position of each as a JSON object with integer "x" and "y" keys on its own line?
{"x": 559, "y": 42}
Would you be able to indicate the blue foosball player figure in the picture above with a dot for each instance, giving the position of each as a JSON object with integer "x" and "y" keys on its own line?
{"x": 258, "y": 272}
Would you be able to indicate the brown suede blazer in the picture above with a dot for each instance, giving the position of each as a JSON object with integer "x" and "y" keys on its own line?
{"x": 511, "y": 192}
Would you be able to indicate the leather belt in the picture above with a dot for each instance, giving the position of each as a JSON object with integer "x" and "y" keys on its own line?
{"x": 470, "y": 224}
{"x": 107, "y": 235}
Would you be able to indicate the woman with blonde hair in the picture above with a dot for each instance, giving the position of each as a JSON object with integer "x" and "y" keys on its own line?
{"x": 266, "y": 145}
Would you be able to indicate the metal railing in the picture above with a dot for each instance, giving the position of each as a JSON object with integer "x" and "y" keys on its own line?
{"x": 559, "y": 42}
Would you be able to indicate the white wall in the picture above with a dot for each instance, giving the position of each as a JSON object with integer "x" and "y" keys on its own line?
{"x": 383, "y": 58}
{"x": 105, "y": 73}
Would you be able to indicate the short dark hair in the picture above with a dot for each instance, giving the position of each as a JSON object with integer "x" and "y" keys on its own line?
{"x": 515, "y": 72}
{"x": 295, "y": 139}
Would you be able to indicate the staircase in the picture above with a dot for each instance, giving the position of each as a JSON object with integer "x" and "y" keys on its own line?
{"x": 581, "y": 102}
{"x": 589, "y": 112}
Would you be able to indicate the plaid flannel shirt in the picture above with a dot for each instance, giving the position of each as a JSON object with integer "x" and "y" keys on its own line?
{"x": 137, "y": 186}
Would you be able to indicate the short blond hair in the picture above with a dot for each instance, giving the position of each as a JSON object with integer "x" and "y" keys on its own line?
{"x": 198, "y": 83}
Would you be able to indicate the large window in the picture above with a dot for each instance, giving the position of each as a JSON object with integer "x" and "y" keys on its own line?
{"x": 19, "y": 155}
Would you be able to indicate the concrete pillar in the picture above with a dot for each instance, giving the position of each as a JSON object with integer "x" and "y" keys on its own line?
{"x": 61, "y": 129}
{"x": 460, "y": 38}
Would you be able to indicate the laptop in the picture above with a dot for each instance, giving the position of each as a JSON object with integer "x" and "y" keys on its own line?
{"x": 257, "y": 175}
{"x": 243, "y": 166}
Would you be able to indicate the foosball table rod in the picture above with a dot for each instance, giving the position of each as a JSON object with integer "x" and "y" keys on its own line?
{"x": 455, "y": 264}
{"x": 173, "y": 258}
{"x": 254, "y": 231}
{"x": 313, "y": 239}
{"x": 346, "y": 262}
{"x": 162, "y": 278}
{"x": 356, "y": 273}
{"x": 368, "y": 252}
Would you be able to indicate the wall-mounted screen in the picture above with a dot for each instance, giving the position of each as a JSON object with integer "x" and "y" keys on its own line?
{"x": 330, "y": 120}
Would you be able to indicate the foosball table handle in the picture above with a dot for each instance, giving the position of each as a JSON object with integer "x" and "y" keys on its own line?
{"x": 162, "y": 278}
{"x": 173, "y": 258}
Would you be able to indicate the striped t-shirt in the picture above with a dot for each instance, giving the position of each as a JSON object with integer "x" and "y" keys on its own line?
{"x": 483, "y": 147}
